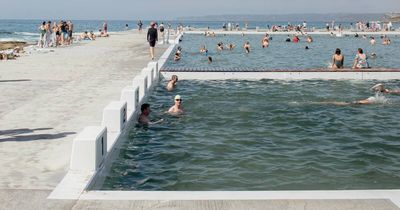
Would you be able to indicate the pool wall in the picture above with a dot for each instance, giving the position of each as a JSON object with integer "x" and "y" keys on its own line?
{"x": 95, "y": 148}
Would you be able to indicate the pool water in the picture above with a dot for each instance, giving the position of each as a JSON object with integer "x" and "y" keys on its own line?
{"x": 263, "y": 135}
{"x": 280, "y": 55}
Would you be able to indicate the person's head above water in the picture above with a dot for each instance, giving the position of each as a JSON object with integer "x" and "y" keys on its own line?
{"x": 178, "y": 100}
{"x": 378, "y": 88}
{"x": 338, "y": 51}
{"x": 174, "y": 78}
{"x": 360, "y": 51}
{"x": 145, "y": 108}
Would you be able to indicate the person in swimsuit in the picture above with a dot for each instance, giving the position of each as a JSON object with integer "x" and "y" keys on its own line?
{"x": 231, "y": 46}
{"x": 337, "y": 59}
{"x": 265, "y": 41}
{"x": 177, "y": 107}
{"x": 360, "y": 61}
{"x": 172, "y": 83}
{"x": 246, "y": 46}
{"x": 203, "y": 49}
{"x": 70, "y": 32}
{"x": 210, "y": 60}
{"x": 140, "y": 25}
{"x": 42, "y": 30}
{"x": 372, "y": 41}
{"x": 144, "y": 117}
{"x": 296, "y": 39}
{"x": 152, "y": 38}
{"x": 220, "y": 46}
{"x": 105, "y": 27}
{"x": 310, "y": 39}
{"x": 380, "y": 88}
{"x": 288, "y": 39}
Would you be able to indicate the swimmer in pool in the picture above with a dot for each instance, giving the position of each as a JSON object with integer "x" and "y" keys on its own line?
{"x": 380, "y": 88}
{"x": 144, "y": 117}
{"x": 220, "y": 46}
{"x": 372, "y": 41}
{"x": 203, "y": 49}
{"x": 246, "y": 46}
{"x": 288, "y": 39}
{"x": 231, "y": 46}
{"x": 310, "y": 39}
{"x": 177, "y": 107}
{"x": 265, "y": 41}
{"x": 172, "y": 83}
{"x": 210, "y": 60}
{"x": 368, "y": 101}
{"x": 177, "y": 56}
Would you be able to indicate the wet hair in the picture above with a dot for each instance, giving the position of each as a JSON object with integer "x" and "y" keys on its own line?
{"x": 44, "y": 23}
{"x": 360, "y": 50}
{"x": 210, "y": 59}
{"x": 307, "y": 48}
{"x": 174, "y": 77}
{"x": 144, "y": 107}
{"x": 338, "y": 51}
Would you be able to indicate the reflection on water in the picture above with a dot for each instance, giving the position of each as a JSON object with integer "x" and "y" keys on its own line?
{"x": 264, "y": 135}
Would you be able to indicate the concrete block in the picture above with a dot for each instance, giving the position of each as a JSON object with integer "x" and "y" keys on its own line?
{"x": 114, "y": 118}
{"x": 130, "y": 95}
{"x": 148, "y": 72}
{"x": 141, "y": 82}
{"x": 89, "y": 149}
{"x": 154, "y": 65}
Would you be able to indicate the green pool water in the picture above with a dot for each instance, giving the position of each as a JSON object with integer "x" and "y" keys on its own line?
{"x": 263, "y": 135}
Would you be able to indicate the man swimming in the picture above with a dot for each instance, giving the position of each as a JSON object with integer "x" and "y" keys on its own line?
{"x": 144, "y": 117}
{"x": 246, "y": 46}
{"x": 265, "y": 41}
{"x": 172, "y": 83}
{"x": 381, "y": 89}
{"x": 177, "y": 107}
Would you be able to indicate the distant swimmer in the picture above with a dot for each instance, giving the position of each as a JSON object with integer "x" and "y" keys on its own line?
{"x": 310, "y": 39}
{"x": 296, "y": 39}
{"x": 372, "y": 41}
{"x": 368, "y": 101}
{"x": 220, "y": 46}
{"x": 172, "y": 83}
{"x": 380, "y": 88}
{"x": 306, "y": 48}
{"x": 356, "y": 35}
{"x": 360, "y": 61}
{"x": 144, "y": 117}
{"x": 265, "y": 41}
{"x": 288, "y": 39}
{"x": 231, "y": 46}
{"x": 203, "y": 49}
{"x": 386, "y": 40}
{"x": 246, "y": 46}
{"x": 177, "y": 56}
{"x": 210, "y": 60}
{"x": 177, "y": 107}
{"x": 337, "y": 59}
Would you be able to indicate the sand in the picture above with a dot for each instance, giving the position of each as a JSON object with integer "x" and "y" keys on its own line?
{"x": 49, "y": 97}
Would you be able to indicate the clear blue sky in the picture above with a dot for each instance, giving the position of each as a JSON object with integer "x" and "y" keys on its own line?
{"x": 168, "y": 9}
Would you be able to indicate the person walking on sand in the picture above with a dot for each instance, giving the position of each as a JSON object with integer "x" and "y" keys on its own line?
{"x": 140, "y": 25}
{"x": 177, "y": 107}
{"x": 152, "y": 38}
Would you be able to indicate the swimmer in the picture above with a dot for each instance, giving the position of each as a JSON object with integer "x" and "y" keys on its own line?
{"x": 372, "y": 41}
{"x": 210, "y": 60}
{"x": 231, "y": 46}
{"x": 296, "y": 39}
{"x": 203, "y": 49}
{"x": 306, "y": 48}
{"x": 360, "y": 61}
{"x": 172, "y": 83}
{"x": 144, "y": 117}
{"x": 373, "y": 56}
{"x": 380, "y": 88}
{"x": 177, "y": 56}
{"x": 177, "y": 107}
{"x": 337, "y": 59}
{"x": 310, "y": 39}
{"x": 368, "y": 101}
{"x": 364, "y": 36}
{"x": 246, "y": 46}
{"x": 265, "y": 41}
{"x": 220, "y": 46}
{"x": 288, "y": 39}
{"x": 356, "y": 35}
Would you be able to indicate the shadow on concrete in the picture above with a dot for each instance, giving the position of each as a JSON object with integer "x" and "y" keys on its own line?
{"x": 26, "y": 134}
{"x": 16, "y": 80}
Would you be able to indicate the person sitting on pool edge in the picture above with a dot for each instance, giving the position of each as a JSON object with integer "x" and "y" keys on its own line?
{"x": 172, "y": 83}
{"x": 144, "y": 117}
{"x": 177, "y": 107}
{"x": 337, "y": 59}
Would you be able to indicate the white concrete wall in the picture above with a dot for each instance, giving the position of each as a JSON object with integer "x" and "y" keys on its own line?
{"x": 114, "y": 118}
{"x": 356, "y": 75}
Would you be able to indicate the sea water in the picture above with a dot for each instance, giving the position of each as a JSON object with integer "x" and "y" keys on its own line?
{"x": 263, "y": 135}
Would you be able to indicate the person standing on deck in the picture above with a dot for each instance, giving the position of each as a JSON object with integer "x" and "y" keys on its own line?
{"x": 152, "y": 38}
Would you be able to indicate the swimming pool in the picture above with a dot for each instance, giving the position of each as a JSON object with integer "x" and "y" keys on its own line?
{"x": 280, "y": 55}
{"x": 263, "y": 135}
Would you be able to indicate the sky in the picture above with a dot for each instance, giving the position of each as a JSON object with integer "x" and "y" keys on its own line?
{"x": 170, "y": 9}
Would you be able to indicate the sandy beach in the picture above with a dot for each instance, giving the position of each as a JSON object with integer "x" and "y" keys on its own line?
{"x": 49, "y": 97}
